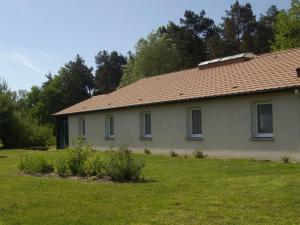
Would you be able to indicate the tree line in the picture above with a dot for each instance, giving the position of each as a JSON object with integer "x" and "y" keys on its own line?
{"x": 26, "y": 116}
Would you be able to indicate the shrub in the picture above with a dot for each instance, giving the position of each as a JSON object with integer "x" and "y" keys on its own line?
{"x": 96, "y": 166}
{"x": 173, "y": 154}
{"x": 123, "y": 167}
{"x": 77, "y": 156}
{"x": 285, "y": 159}
{"x": 40, "y": 136}
{"x": 147, "y": 151}
{"x": 62, "y": 167}
{"x": 199, "y": 155}
{"x": 35, "y": 165}
{"x": 1, "y": 143}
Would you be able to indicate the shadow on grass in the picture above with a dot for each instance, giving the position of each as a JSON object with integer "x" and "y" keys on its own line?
{"x": 86, "y": 179}
{"x": 144, "y": 181}
{"x": 3, "y": 156}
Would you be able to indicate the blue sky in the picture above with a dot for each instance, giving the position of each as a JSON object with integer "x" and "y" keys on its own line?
{"x": 41, "y": 36}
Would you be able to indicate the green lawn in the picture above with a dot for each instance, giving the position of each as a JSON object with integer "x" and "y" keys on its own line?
{"x": 179, "y": 191}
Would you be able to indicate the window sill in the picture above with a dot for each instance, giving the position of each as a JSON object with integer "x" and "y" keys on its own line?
{"x": 194, "y": 138}
{"x": 109, "y": 138}
{"x": 146, "y": 138}
{"x": 262, "y": 139}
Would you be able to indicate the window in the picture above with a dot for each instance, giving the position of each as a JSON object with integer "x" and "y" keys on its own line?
{"x": 195, "y": 123}
{"x": 263, "y": 120}
{"x": 147, "y": 125}
{"x": 81, "y": 126}
{"x": 109, "y": 126}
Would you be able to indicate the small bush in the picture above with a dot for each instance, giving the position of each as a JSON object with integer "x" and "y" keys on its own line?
{"x": 123, "y": 167}
{"x": 199, "y": 155}
{"x": 119, "y": 165}
{"x": 40, "y": 136}
{"x": 77, "y": 156}
{"x": 285, "y": 159}
{"x": 96, "y": 166}
{"x": 147, "y": 151}
{"x": 1, "y": 143}
{"x": 62, "y": 167}
{"x": 34, "y": 165}
{"x": 173, "y": 154}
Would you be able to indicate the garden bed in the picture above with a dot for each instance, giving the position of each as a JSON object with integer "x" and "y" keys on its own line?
{"x": 119, "y": 165}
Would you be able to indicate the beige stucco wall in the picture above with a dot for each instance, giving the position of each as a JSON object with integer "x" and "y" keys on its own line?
{"x": 226, "y": 125}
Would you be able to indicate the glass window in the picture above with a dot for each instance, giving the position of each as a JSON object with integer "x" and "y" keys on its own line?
{"x": 264, "y": 119}
{"x": 196, "y": 127}
{"x": 109, "y": 126}
{"x": 147, "y": 124}
{"x": 82, "y": 127}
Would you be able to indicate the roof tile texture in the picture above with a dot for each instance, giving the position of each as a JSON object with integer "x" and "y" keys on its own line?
{"x": 265, "y": 72}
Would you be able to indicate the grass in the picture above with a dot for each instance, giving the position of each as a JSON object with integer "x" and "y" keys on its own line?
{"x": 179, "y": 191}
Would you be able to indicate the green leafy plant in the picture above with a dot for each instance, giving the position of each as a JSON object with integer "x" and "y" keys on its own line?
{"x": 123, "y": 167}
{"x": 199, "y": 154}
{"x": 62, "y": 167}
{"x": 96, "y": 166}
{"x": 285, "y": 159}
{"x": 147, "y": 151}
{"x": 77, "y": 156}
{"x": 173, "y": 154}
{"x": 34, "y": 165}
{"x": 40, "y": 136}
{"x": 1, "y": 143}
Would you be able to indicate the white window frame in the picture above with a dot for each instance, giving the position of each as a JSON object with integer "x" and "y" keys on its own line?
{"x": 144, "y": 125}
{"x": 108, "y": 126}
{"x": 261, "y": 135}
{"x": 191, "y": 123}
{"x": 82, "y": 127}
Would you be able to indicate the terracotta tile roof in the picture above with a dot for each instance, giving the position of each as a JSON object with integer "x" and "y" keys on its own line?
{"x": 266, "y": 72}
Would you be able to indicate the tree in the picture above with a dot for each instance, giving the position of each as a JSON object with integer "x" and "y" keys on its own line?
{"x": 73, "y": 83}
{"x": 239, "y": 27}
{"x": 51, "y": 99}
{"x": 191, "y": 37}
{"x": 200, "y": 25}
{"x": 109, "y": 71}
{"x": 287, "y": 27}
{"x": 12, "y": 132}
{"x": 155, "y": 55}
{"x": 76, "y": 81}
{"x": 215, "y": 43}
{"x": 265, "y": 32}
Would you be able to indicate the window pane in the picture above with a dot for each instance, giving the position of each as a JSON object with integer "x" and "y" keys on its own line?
{"x": 196, "y": 121}
{"x": 147, "y": 124}
{"x": 264, "y": 118}
{"x": 83, "y": 127}
{"x": 111, "y": 126}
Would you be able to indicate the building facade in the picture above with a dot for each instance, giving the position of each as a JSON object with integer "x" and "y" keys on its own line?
{"x": 261, "y": 124}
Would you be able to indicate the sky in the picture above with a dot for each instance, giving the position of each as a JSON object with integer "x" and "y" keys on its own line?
{"x": 38, "y": 37}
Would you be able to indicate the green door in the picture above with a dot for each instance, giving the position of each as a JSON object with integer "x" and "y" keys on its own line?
{"x": 62, "y": 132}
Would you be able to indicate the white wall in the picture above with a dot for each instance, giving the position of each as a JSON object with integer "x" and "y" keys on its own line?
{"x": 226, "y": 125}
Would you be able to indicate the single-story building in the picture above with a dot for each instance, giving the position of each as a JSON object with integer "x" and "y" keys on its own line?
{"x": 240, "y": 106}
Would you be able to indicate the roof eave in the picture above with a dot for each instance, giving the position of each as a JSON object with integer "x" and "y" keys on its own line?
{"x": 269, "y": 90}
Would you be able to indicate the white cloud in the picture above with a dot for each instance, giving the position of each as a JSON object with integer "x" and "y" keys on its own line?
{"x": 19, "y": 59}
{"x": 26, "y": 62}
